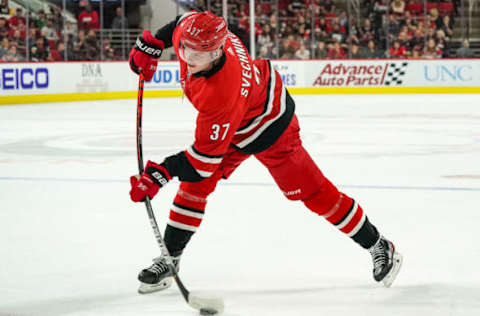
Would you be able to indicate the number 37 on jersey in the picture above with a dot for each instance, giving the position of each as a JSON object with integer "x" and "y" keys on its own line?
{"x": 219, "y": 132}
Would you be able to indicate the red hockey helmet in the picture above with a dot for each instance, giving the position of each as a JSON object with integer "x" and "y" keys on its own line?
{"x": 202, "y": 38}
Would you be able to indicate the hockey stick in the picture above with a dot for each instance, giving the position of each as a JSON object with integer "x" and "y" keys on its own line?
{"x": 206, "y": 306}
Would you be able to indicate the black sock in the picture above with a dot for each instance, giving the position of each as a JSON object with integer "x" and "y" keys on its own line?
{"x": 176, "y": 240}
{"x": 367, "y": 236}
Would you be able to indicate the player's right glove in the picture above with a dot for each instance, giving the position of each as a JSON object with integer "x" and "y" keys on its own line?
{"x": 145, "y": 54}
{"x": 152, "y": 179}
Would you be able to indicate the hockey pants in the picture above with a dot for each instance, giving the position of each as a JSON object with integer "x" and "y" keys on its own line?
{"x": 295, "y": 173}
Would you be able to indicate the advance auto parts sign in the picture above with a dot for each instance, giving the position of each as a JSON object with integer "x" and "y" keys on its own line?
{"x": 361, "y": 74}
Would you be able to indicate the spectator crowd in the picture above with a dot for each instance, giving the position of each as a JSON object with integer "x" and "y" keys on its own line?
{"x": 49, "y": 38}
{"x": 285, "y": 29}
{"x": 324, "y": 29}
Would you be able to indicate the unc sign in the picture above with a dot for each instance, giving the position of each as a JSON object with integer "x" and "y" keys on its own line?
{"x": 448, "y": 73}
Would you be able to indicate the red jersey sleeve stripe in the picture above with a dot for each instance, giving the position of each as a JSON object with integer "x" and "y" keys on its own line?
{"x": 205, "y": 169}
{"x": 204, "y": 157}
{"x": 202, "y": 165}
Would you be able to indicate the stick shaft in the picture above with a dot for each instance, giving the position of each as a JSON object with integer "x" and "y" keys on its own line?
{"x": 148, "y": 205}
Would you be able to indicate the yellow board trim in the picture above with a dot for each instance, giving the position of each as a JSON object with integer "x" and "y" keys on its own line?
{"x": 90, "y": 96}
{"x": 384, "y": 90}
{"x": 86, "y": 96}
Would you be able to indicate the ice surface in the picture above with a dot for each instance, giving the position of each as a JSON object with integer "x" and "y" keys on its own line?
{"x": 71, "y": 242}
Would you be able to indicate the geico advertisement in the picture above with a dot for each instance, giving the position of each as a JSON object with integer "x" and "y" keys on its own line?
{"x": 28, "y": 77}
{"x": 72, "y": 77}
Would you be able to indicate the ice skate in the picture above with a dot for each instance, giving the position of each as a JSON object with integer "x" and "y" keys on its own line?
{"x": 386, "y": 261}
{"x": 157, "y": 277}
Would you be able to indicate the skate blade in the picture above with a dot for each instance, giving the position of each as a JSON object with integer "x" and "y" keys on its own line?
{"x": 397, "y": 264}
{"x": 145, "y": 288}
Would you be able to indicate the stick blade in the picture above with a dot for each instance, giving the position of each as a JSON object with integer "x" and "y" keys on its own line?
{"x": 206, "y": 303}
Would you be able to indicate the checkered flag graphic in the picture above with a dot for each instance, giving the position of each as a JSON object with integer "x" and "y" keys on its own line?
{"x": 395, "y": 73}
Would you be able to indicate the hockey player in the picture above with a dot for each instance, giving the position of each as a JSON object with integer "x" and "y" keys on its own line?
{"x": 243, "y": 110}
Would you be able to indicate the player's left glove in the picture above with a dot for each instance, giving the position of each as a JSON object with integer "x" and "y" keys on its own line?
{"x": 152, "y": 179}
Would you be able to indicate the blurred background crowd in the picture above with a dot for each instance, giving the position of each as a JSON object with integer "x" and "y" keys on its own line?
{"x": 27, "y": 35}
{"x": 294, "y": 29}
{"x": 284, "y": 29}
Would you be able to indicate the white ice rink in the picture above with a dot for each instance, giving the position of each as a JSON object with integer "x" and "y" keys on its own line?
{"x": 72, "y": 243}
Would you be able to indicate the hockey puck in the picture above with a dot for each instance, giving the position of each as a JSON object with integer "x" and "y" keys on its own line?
{"x": 208, "y": 311}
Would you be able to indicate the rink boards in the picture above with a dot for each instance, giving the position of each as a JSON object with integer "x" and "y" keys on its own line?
{"x": 79, "y": 81}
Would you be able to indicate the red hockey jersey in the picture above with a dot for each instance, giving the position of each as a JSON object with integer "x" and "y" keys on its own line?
{"x": 240, "y": 103}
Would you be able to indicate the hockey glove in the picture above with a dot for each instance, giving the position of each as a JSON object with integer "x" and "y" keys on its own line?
{"x": 153, "y": 178}
{"x": 145, "y": 54}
